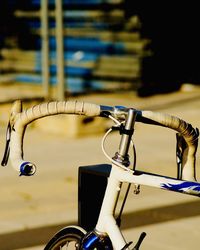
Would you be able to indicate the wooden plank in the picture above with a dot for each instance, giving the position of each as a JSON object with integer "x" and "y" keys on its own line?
{"x": 102, "y": 85}
{"x": 79, "y": 85}
{"x": 9, "y": 65}
{"x": 114, "y": 74}
{"x": 43, "y": 14}
{"x": 60, "y": 68}
{"x": 31, "y": 65}
{"x": 111, "y": 71}
{"x": 74, "y": 14}
{"x": 119, "y": 59}
{"x": 28, "y": 65}
{"x": 94, "y": 23}
{"x": 25, "y": 67}
{"x": 35, "y": 56}
{"x": 76, "y": 57}
{"x": 100, "y": 34}
{"x": 17, "y": 54}
{"x": 126, "y": 68}
{"x": 99, "y": 46}
{"x": 7, "y": 78}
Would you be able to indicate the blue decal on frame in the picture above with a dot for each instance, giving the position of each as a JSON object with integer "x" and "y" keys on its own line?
{"x": 184, "y": 187}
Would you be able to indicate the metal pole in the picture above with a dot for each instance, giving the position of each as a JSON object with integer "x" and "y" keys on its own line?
{"x": 60, "y": 50}
{"x": 45, "y": 48}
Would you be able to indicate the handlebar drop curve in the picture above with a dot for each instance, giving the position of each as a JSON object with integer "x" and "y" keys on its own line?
{"x": 20, "y": 119}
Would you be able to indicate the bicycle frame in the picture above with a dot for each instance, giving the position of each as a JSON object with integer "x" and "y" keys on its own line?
{"x": 106, "y": 221}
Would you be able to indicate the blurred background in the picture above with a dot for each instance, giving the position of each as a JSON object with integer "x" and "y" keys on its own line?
{"x": 82, "y": 46}
{"x": 99, "y": 45}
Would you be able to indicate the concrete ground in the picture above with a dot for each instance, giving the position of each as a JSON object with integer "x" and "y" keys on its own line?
{"x": 33, "y": 208}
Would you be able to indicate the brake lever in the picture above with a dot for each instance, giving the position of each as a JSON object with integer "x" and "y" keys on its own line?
{"x": 7, "y": 146}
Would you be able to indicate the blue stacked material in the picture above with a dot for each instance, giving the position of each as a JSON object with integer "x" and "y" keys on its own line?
{"x": 69, "y": 55}
{"x": 73, "y": 85}
{"x": 85, "y": 65}
{"x": 73, "y": 24}
{"x": 69, "y": 70}
{"x": 88, "y": 44}
{"x": 76, "y": 2}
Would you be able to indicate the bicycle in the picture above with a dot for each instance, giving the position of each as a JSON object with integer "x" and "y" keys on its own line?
{"x": 107, "y": 233}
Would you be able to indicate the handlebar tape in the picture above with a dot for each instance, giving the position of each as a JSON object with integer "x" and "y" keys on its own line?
{"x": 185, "y": 129}
{"x": 19, "y": 120}
{"x": 189, "y": 134}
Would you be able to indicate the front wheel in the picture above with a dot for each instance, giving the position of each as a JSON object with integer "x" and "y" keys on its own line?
{"x": 68, "y": 238}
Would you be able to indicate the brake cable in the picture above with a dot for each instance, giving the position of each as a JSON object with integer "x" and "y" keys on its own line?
{"x": 114, "y": 128}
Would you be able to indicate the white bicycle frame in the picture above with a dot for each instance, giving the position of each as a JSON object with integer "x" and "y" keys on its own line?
{"x": 106, "y": 221}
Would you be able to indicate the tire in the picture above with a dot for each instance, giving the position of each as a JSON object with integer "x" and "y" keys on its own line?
{"x": 67, "y": 238}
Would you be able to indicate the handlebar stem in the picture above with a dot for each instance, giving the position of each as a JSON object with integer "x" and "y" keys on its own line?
{"x": 127, "y": 132}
